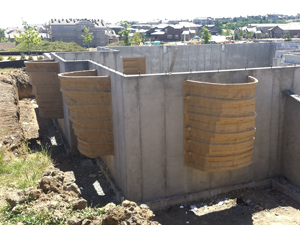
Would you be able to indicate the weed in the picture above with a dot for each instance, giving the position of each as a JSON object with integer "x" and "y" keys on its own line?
{"x": 23, "y": 56}
{"x": 3, "y": 130}
{"x": 11, "y": 58}
{"x": 1, "y": 58}
{"x": 30, "y": 57}
{"x": 26, "y": 214}
{"x": 24, "y": 171}
{"x": 40, "y": 57}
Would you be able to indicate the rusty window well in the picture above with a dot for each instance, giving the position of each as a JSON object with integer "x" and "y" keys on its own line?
{"x": 88, "y": 98}
{"x": 45, "y": 87}
{"x": 219, "y": 124}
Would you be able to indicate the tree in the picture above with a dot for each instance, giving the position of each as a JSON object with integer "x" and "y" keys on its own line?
{"x": 219, "y": 25}
{"x": 228, "y": 32}
{"x": 125, "y": 33}
{"x": 236, "y": 36}
{"x": 254, "y": 35}
{"x": 241, "y": 33}
{"x": 250, "y": 34}
{"x": 2, "y": 36}
{"x": 88, "y": 36}
{"x": 30, "y": 37}
{"x": 287, "y": 37}
{"x": 206, "y": 35}
{"x": 136, "y": 38}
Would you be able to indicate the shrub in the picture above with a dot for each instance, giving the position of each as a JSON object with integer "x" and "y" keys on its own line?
{"x": 287, "y": 37}
{"x": 1, "y": 58}
{"x": 30, "y": 57}
{"x": 23, "y": 56}
{"x": 40, "y": 57}
{"x": 11, "y": 58}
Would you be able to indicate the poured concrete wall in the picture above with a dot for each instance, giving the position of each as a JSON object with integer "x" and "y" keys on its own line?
{"x": 200, "y": 57}
{"x": 148, "y": 130}
{"x": 109, "y": 58}
{"x": 153, "y": 113}
{"x": 291, "y": 140}
{"x": 285, "y": 46}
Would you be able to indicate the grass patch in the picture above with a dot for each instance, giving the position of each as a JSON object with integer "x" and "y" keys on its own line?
{"x": 23, "y": 171}
{"x": 46, "y": 46}
{"x": 28, "y": 216}
{"x": 11, "y": 58}
{"x": 120, "y": 43}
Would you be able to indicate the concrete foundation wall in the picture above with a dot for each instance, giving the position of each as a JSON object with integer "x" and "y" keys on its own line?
{"x": 148, "y": 125}
{"x": 285, "y": 46}
{"x": 109, "y": 58}
{"x": 200, "y": 57}
{"x": 291, "y": 141}
{"x": 154, "y": 145}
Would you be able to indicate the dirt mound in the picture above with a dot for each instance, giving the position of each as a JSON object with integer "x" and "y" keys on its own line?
{"x": 22, "y": 82}
{"x": 128, "y": 213}
{"x": 57, "y": 193}
{"x": 10, "y": 132}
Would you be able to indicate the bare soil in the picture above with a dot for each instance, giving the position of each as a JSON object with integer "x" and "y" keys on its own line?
{"x": 19, "y": 120}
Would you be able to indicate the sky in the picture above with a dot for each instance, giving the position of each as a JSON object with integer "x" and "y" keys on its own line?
{"x": 40, "y": 12}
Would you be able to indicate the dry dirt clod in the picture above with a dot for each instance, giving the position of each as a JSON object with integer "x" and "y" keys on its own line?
{"x": 72, "y": 187}
{"x": 75, "y": 221}
{"x": 13, "y": 198}
{"x": 50, "y": 184}
{"x": 35, "y": 193}
{"x": 79, "y": 204}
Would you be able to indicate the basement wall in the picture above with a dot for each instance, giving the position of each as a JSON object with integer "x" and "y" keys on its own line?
{"x": 200, "y": 57}
{"x": 291, "y": 141}
{"x": 148, "y": 130}
{"x": 153, "y": 121}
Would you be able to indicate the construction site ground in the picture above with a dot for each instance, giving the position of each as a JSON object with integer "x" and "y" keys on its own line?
{"x": 19, "y": 121}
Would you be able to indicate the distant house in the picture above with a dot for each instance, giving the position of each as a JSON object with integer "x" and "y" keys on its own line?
{"x": 154, "y": 22}
{"x": 174, "y": 21}
{"x": 213, "y": 30}
{"x": 141, "y": 26}
{"x": 291, "y": 28}
{"x": 247, "y": 30}
{"x": 203, "y": 20}
{"x": 190, "y": 26}
{"x": 168, "y": 33}
{"x": 223, "y": 18}
{"x": 116, "y": 28}
{"x": 188, "y": 35}
{"x": 71, "y": 30}
{"x": 11, "y": 32}
{"x": 263, "y": 27}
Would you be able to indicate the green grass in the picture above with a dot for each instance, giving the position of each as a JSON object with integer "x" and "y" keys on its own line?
{"x": 46, "y": 46}
{"x": 11, "y": 58}
{"x": 28, "y": 216}
{"x": 120, "y": 43}
{"x": 23, "y": 171}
